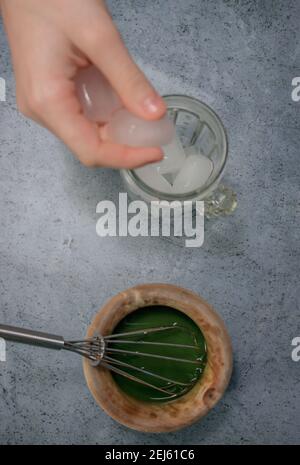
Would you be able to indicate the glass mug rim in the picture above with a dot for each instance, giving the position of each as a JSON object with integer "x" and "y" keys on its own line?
{"x": 196, "y": 193}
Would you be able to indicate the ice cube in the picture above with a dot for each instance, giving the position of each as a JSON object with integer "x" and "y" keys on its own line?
{"x": 206, "y": 141}
{"x": 97, "y": 98}
{"x": 174, "y": 157}
{"x": 152, "y": 178}
{"x": 100, "y": 103}
{"x": 126, "y": 128}
{"x": 193, "y": 174}
{"x": 186, "y": 124}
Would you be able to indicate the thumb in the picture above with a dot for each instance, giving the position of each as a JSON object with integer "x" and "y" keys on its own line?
{"x": 115, "y": 62}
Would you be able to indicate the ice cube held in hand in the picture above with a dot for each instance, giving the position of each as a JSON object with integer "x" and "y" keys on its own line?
{"x": 152, "y": 178}
{"x": 193, "y": 174}
{"x": 97, "y": 98}
{"x": 101, "y": 104}
{"x": 174, "y": 157}
{"x": 126, "y": 128}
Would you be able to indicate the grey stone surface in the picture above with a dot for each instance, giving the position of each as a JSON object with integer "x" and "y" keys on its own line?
{"x": 55, "y": 272}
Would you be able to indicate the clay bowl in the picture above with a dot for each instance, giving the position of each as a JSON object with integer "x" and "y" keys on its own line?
{"x": 176, "y": 414}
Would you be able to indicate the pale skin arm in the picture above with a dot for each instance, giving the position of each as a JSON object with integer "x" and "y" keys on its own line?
{"x": 50, "y": 40}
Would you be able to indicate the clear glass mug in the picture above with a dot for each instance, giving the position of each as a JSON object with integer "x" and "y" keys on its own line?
{"x": 196, "y": 125}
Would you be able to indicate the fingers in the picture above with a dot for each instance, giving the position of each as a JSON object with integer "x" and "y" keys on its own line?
{"x": 64, "y": 118}
{"x": 103, "y": 45}
{"x": 122, "y": 156}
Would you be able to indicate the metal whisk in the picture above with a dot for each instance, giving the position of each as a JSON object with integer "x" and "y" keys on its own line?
{"x": 109, "y": 352}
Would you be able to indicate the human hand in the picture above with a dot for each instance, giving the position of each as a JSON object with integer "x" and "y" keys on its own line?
{"x": 50, "y": 41}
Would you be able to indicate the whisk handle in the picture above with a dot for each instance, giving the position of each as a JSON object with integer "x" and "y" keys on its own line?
{"x": 27, "y": 336}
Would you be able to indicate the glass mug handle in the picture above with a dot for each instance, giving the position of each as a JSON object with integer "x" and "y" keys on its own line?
{"x": 221, "y": 202}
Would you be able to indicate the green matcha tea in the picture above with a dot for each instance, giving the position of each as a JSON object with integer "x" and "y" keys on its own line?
{"x": 185, "y": 332}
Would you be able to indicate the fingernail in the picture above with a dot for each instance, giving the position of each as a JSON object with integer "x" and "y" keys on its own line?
{"x": 153, "y": 104}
